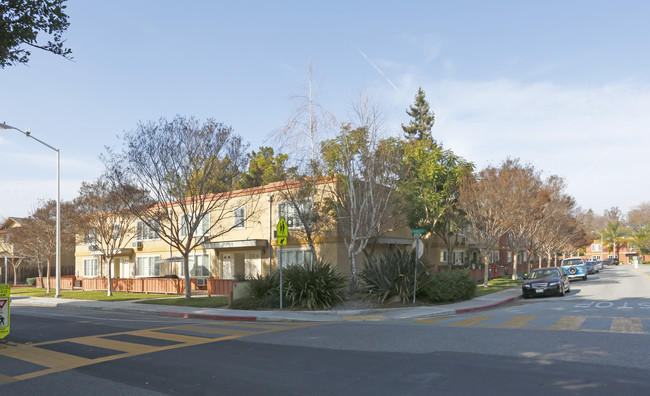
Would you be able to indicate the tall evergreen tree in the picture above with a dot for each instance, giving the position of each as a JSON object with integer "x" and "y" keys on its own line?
{"x": 422, "y": 119}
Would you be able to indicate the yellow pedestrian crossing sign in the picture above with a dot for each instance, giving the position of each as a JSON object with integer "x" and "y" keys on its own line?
{"x": 5, "y": 295}
{"x": 282, "y": 241}
{"x": 282, "y": 229}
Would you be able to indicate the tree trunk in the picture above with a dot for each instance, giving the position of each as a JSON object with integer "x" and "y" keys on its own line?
{"x": 186, "y": 272}
{"x": 109, "y": 284}
{"x": 514, "y": 265}
{"x": 353, "y": 274}
{"x": 40, "y": 274}
{"x": 48, "y": 276}
{"x": 486, "y": 271}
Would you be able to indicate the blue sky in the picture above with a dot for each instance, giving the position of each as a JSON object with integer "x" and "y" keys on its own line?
{"x": 562, "y": 85}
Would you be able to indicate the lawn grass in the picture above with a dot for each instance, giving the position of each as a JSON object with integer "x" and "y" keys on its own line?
{"x": 97, "y": 295}
{"x": 496, "y": 285}
{"x": 198, "y": 302}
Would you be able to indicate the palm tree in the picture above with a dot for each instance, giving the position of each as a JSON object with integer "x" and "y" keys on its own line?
{"x": 614, "y": 236}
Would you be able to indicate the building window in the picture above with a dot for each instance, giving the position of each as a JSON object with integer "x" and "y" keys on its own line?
{"x": 297, "y": 256}
{"x": 202, "y": 230}
{"x": 91, "y": 267}
{"x": 147, "y": 266}
{"x": 240, "y": 217}
{"x": 459, "y": 257}
{"x": 199, "y": 265}
{"x": 494, "y": 256}
{"x": 146, "y": 233}
{"x": 443, "y": 256}
{"x": 290, "y": 214}
{"x": 595, "y": 247}
{"x": 596, "y": 258}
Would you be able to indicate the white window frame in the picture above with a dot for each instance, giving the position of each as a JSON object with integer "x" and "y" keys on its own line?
{"x": 202, "y": 230}
{"x": 595, "y": 247}
{"x": 288, "y": 211}
{"x": 147, "y": 269}
{"x": 443, "y": 256}
{"x": 297, "y": 256}
{"x": 459, "y": 254}
{"x": 239, "y": 216}
{"x": 145, "y": 233}
{"x": 192, "y": 265}
{"x": 93, "y": 264}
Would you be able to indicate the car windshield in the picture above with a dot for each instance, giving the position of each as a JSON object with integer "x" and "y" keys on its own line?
{"x": 571, "y": 262}
{"x": 549, "y": 273}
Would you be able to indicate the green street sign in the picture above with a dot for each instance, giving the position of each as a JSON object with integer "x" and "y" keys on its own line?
{"x": 282, "y": 230}
{"x": 417, "y": 231}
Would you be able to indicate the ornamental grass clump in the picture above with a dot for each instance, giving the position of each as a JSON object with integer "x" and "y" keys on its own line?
{"x": 264, "y": 285}
{"x": 391, "y": 273}
{"x": 313, "y": 286}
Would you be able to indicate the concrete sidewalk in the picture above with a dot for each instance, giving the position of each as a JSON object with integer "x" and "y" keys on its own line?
{"x": 386, "y": 314}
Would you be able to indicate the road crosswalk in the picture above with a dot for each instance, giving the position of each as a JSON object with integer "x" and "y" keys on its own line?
{"x": 24, "y": 361}
{"x": 549, "y": 322}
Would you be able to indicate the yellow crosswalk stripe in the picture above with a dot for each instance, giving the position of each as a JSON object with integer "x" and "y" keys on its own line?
{"x": 575, "y": 323}
{"x": 569, "y": 323}
{"x": 43, "y": 357}
{"x": 627, "y": 325}
{"x": 54, "y": 362}
{"x": 470, "y": 321}
{"x": 122, "y": 346}
{"x": 517, "y": 321}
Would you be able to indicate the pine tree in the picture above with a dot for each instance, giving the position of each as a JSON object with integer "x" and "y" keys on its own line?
{"x": 422, "y": 119}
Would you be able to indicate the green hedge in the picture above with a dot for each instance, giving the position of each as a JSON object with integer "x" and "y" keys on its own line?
{"x": 450, "y": 286}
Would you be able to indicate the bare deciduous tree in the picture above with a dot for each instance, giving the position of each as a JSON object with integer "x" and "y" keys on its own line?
{"x": 105, "y": 217}
{"x": 189, "y": 171}
{"x": 481, "y": 199}
{"x": 364, "y": 166}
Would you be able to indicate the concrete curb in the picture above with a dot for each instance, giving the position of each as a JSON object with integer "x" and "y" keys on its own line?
{"x": 208, "y": 316}
{"x": 485, "y": 307}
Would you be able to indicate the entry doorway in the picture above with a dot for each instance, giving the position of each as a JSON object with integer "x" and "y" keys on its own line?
{"x": 253, "y": 264}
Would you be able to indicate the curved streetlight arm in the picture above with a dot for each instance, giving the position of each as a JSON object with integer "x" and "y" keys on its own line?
{"x": 58, "y": 202}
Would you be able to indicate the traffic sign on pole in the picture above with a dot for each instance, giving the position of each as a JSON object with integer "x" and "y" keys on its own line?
{"x": 5, "y": 297}
{"x": 282, "y": 229}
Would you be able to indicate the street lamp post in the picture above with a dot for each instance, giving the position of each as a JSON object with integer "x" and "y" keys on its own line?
{"x": 58, "y": 202}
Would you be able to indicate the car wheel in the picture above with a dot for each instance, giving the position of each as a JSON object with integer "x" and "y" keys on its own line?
{"x": 568, "y": 288}
{"x": 573, "y": 270}
{"x": 584, "y": 277}
{"x": 562, "y": 291}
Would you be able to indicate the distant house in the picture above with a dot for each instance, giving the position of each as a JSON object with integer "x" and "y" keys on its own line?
{"x": 627, "y": 254}
{"x": 28, "y": 269}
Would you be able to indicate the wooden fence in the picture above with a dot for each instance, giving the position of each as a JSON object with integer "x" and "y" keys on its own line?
{"x": 215, "y": 287}
{"x": 220, "y": 287}
{"x": 67, "y": 282}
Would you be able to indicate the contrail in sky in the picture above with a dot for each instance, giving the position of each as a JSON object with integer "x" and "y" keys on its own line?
{"x": 376, "y": 68}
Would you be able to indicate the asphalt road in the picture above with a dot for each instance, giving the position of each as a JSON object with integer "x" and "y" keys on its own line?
{"x": 591, "y": 342}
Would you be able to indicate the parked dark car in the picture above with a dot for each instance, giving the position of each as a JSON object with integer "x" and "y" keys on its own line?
{"x": 546, "y": 282}
{"x": 591, "y": 267}
{"x": 611, "y": 261}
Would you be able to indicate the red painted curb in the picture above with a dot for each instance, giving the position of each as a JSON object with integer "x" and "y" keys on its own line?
{"x": 481, "y": 308}
{"x": 209, "y": 317}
